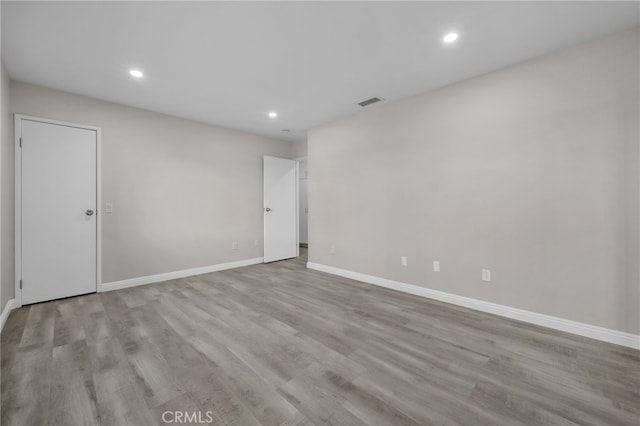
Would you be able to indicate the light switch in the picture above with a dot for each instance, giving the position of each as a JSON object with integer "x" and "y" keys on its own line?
{"x": 108, "y": 207}
{"x": 436, "y": 266}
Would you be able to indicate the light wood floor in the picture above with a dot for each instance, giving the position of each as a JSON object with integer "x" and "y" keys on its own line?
{"x": 281, "y": 345}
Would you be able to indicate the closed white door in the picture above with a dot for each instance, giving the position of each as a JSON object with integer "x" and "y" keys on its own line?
{"x": 58, "y": 174}
{"x": 280, "y": 209}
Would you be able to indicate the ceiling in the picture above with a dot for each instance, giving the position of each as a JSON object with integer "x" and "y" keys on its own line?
{"x": 230, "y": 63}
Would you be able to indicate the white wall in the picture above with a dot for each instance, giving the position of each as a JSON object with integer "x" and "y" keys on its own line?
{"x": 182, "y": 192}
{"x": 6, "y": 193}
{"x": 531, "y": 171}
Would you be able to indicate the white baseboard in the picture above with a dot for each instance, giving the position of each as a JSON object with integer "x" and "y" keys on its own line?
{"x": 574, "y": 327}
{"x": 10, "y": 306}
{"x": 149, "y": 279}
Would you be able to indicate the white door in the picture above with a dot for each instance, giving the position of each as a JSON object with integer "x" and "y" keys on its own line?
{"x": 58, "y": 175}
{"x": 280, "y": 209}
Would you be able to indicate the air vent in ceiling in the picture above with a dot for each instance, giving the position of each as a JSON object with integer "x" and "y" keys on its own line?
{"x": 369, "y": 102}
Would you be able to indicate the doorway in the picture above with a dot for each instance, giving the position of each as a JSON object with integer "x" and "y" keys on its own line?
{"x": 280, "y": 209}
{"x": 57, "y": 172}
{"x": 303, "y": 202}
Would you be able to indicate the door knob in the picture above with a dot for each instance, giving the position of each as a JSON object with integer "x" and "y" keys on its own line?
{"x": 267, "y": 209}
{"x": 89, "y": 212}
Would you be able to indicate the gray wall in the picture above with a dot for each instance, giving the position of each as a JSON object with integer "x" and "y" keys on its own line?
{"x": 299, "y": 149}
{"x": 182, "y": 191}
{"x": 530, "y": 171}
{"x": 6, "y": 193}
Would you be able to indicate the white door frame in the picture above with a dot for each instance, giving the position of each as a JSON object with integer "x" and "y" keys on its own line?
{"x": 18, "y": 197}
{"x": 297, "y": 208}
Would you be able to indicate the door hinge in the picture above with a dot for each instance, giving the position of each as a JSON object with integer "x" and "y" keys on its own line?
{"x": 20, "y": 284}
{"x": 21, "y": 142}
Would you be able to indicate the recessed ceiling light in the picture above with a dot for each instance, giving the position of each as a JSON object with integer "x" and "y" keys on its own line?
{"x": 450, "y": 38}
{"x": 136, "y": 73}
{"x": 273, "y": 114}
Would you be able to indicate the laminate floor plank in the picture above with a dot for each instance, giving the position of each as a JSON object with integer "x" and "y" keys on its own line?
{"x": 39, "y": 328}
{"x": 120, "y": 399}
{"x": 257, "y": 395}
{"x": 11, "y": 335}
{"x": 67, "y": 328}
{"x": 320, "y": 405}
{"x": 73, "y": 395}
{"x": 408, "y": 395}
{"x": 151, "y": 370}
{"x": 278, "y": 344}
{"x": 29, "y": 379}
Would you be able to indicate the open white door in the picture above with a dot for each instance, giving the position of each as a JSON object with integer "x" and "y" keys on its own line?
{"x": 280, "y": 209}
{"x": 57, "y": 188}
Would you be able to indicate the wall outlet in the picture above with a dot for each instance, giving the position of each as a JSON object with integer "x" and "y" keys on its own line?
{"x": 255, "y": 243}
{"x": 486, "y": 275}
{"x": 234, "y": 246}
{"x": 108, "y": 207}
{"x": 403, "y": 260}
{"x": 436, "y": 266}
{"x": 332, "y": 249}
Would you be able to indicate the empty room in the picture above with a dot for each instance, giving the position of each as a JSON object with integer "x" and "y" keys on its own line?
{"x": 320, "y": 213}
